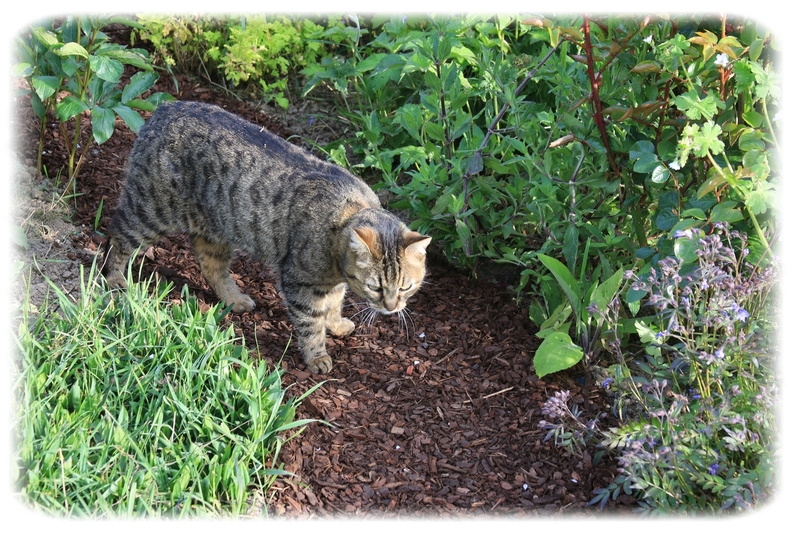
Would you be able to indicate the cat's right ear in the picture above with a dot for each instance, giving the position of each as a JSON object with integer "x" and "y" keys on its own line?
{"x": 364, "y": 242}
{"x": 416, "y": 243}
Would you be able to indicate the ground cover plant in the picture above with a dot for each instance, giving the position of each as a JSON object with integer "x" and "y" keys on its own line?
{"x": 627, "y": 169}
{"x": 129, "y": 406}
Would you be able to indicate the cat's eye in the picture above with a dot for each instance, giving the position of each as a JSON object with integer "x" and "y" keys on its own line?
{"x": 406, "y": 288}
{"x": 374, "y": 288}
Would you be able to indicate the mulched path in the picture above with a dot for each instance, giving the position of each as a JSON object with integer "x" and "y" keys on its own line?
{"x": 441, "y": 420}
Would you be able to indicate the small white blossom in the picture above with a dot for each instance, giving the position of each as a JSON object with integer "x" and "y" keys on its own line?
{"x": 722, "y": 60}
{"x": 649, "y": 39}
{"x": 675, "y": 165}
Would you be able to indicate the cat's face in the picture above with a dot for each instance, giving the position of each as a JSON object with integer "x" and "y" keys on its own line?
{"x": 386, "y": 271}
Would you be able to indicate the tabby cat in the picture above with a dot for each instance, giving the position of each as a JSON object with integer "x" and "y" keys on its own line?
{"x": 230, "y": 184}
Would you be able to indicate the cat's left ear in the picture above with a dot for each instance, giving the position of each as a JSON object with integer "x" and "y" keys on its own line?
{"x": 416, "y": 243}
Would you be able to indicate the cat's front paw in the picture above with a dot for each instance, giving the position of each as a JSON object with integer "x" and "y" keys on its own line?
{"x": 243, "y": 304}
{"x": 345, "y": 326}
{"x": 320, "y": 365}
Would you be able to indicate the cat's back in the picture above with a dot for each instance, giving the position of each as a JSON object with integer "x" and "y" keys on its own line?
{"x": 193, "y": 130}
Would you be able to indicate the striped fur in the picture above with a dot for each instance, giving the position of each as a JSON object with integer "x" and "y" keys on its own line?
{"x": 230, "y": 184}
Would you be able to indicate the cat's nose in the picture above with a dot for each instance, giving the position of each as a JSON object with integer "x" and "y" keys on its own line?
{"x": 390, "y": 304}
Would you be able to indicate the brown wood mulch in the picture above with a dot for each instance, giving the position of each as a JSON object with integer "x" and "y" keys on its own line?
{"x": 439, "y": 420}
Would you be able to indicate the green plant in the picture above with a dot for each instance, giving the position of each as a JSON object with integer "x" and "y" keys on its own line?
{"x": 126, "y": 405}
{"x": 255, "y": 53}
{"x": 73, "y": 69}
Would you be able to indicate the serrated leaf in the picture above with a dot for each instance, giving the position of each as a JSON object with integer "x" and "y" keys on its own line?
{"x": 691, "y": 104}
{"x": 557, "y": 352}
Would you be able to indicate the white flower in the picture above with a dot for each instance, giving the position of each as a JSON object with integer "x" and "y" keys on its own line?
{"x": 722, "y": 60}
{"x": 675, "y": 165}
{"x": 649, "y": 38}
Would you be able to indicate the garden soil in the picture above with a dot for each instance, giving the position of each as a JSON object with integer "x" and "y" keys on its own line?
{"x": 440, "y": 420}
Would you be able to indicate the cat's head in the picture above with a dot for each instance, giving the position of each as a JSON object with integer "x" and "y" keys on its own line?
{"x": 385, "y": 264}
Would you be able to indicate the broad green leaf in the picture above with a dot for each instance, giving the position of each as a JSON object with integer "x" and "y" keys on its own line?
{"x": 711, "y": 184}
{"x": 102, "y": 124}
{"x": 106, "y": 68}
{"x": 755, "y": 49}
{"x": 131, "y": 118}
{"x": 72, "y": 49}
{"x": 646, "y": 163}
{"x": 605, "y": 292}
{"x": 685, "y": 249}
{"x": 140, "y": 82}
{"x": 694, "y": 212}
{"x": 45, "y": 86}
{"x": 725, "y": 212}
{"x": 660, "y": 174}
{"x": 69, "y": 107}
{"x": 565, "y": 280}
{"x": 557, "y": 352}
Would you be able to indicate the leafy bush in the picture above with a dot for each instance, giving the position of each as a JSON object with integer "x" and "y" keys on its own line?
{"x": 72, "y": 69}
{"x": 256, "y": 53}
{"x": 588, "y": 152}
{"x": 125, "y": 405}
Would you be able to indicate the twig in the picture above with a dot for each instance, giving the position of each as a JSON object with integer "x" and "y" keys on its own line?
{"x": 489, "y": 395}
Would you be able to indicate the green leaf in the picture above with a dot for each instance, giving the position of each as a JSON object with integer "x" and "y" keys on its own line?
{"x": 565, "y": 280}
{"x": 685, "y": 249}
{"x": 131, "y": 118}
{"x": 691, "y": 104}
{"x": 45, "y": 86}
{"x": 72, "y": 49}
{"x": 69, "y": 107}
{"x": 605, "y": 292}
{"x": 725, "y": 212}
{"x": 755, "y": 49}
{"x": 140, "y": 82}
{"x": 660, "y": 174}
{"x": 707, "y": 140}
{"x": 557, "y": 352}
{"x": 102, "y": 124}
{"x": 106, "y": 68}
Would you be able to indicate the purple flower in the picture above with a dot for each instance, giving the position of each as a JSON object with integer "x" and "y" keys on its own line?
{"x": 311, "y": 120}
{"x": 607, "y": 382}
{"x": 713, "y": 469}
{"x": 719, "y": 353}
{"x": 740, "y": 313}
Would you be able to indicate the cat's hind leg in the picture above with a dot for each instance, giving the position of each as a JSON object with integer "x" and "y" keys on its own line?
{"x": 125, "y": 238}
{"x": 214, "y": 262}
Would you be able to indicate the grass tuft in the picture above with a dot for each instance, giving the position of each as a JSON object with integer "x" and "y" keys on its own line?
{"x": 126, "y": 405}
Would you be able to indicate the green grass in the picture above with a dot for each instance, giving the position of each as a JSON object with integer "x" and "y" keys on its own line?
{"x": 125, "y": 405}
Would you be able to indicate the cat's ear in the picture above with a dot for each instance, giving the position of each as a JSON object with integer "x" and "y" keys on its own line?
{"x": 415, "y": 243}
{"x": 363, "y": 240}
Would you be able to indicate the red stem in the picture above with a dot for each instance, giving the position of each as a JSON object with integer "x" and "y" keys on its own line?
{"x": 598, "y": 107}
